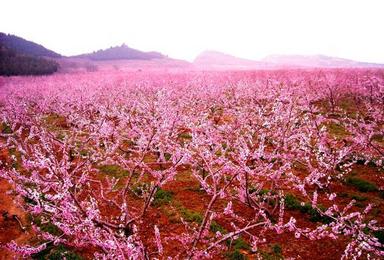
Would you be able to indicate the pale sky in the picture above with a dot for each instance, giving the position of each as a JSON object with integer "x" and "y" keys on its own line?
{"x": 182, "y": 29}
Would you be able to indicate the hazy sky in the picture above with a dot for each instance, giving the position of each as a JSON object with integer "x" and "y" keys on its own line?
{"x": 182, "y": 29}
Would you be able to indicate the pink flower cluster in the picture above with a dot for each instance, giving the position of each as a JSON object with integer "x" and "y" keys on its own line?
{"x": 246, "y": 137}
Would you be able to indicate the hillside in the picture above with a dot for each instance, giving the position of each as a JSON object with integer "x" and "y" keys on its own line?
{"x": 122, "y": 52}
{"x": 25, "y": 47}
{"x": 21, "y": 57}
{"x": 316, "y": 61}
{"x": 218, "y": 60}
{"x": 13, "y": 64}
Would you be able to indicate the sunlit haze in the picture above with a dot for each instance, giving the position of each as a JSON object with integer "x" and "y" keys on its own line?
{"x": 183, "y": 29}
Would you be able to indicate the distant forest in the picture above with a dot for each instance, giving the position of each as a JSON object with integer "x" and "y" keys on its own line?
{"x": 21, "y": 57}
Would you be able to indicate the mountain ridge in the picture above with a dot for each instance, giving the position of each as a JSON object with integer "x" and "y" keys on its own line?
{"x": 318, "y": 60}
{"x": 26, "y": 47}
{"x": 122, "y": 52}
{"x": 215, "y": 59}
{"x": 22, "y": 57}
{"x": 19, "y": 55}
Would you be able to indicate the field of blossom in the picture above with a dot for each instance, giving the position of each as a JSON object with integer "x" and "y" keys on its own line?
{"x": 193, "y": 165}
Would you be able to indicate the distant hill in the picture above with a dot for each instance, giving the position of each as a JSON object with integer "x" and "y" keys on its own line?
{"x": 21, "y": 57}
{"x": 316, "y": 61}
{"x": 122, "y": 52}
{"x": 218, "y": 60}
{"x": 25, "y": 47}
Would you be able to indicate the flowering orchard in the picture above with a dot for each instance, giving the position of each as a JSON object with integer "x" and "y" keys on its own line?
{"x": 197, "y": 165}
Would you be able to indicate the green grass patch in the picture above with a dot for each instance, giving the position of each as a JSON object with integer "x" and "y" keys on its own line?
{"x": 162, "y": 197}
{"x": 240, "y": 244}
{"x": 262, "y": 192}
{"x": 366, "y": 162}
{"x": 184, "y": 138}
{"x": 139, "y": 188}
{"x": 83, "y": 153}
{"x": 346, "y": 103}
{"x": 270, "y": 256}
{"x": 276, "y": 249}
{"x": 55, "y": 122}
{"x": 358, "y": 197}
{"x": 236, "y": 247}
{"x": 167, "y": 156}
{"x": 349, "y": 105}
{"x": 299, "y": 166}
{"x": 216, "y": 227}
{"x": 113, "y": 170}
{"x": 196, "y": 189}
{"x": 236, "y": 255}
{"x": 187, "y": 136}
{"x": 5, "y": 128}
{"x": 196, "y": 217}
{"x": 337, "y": 130}
{"x": 171, "y": 214}
{"x": 191, "y": 216}
{"x": 61, "y": 136}
{"x": 343, "y": 195}
{"x": 56, "y": 253}
{"x": 378, "y": 138}
{"x": 361, "y": 185}
{"x": 314, "y": 215}
{"x": 46, "y": 226}
{"x": 379, "y": 234}
{"x": 16, "y": 164}
{"x": 275, "y": 253}
{"x": 292, "y": 203}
